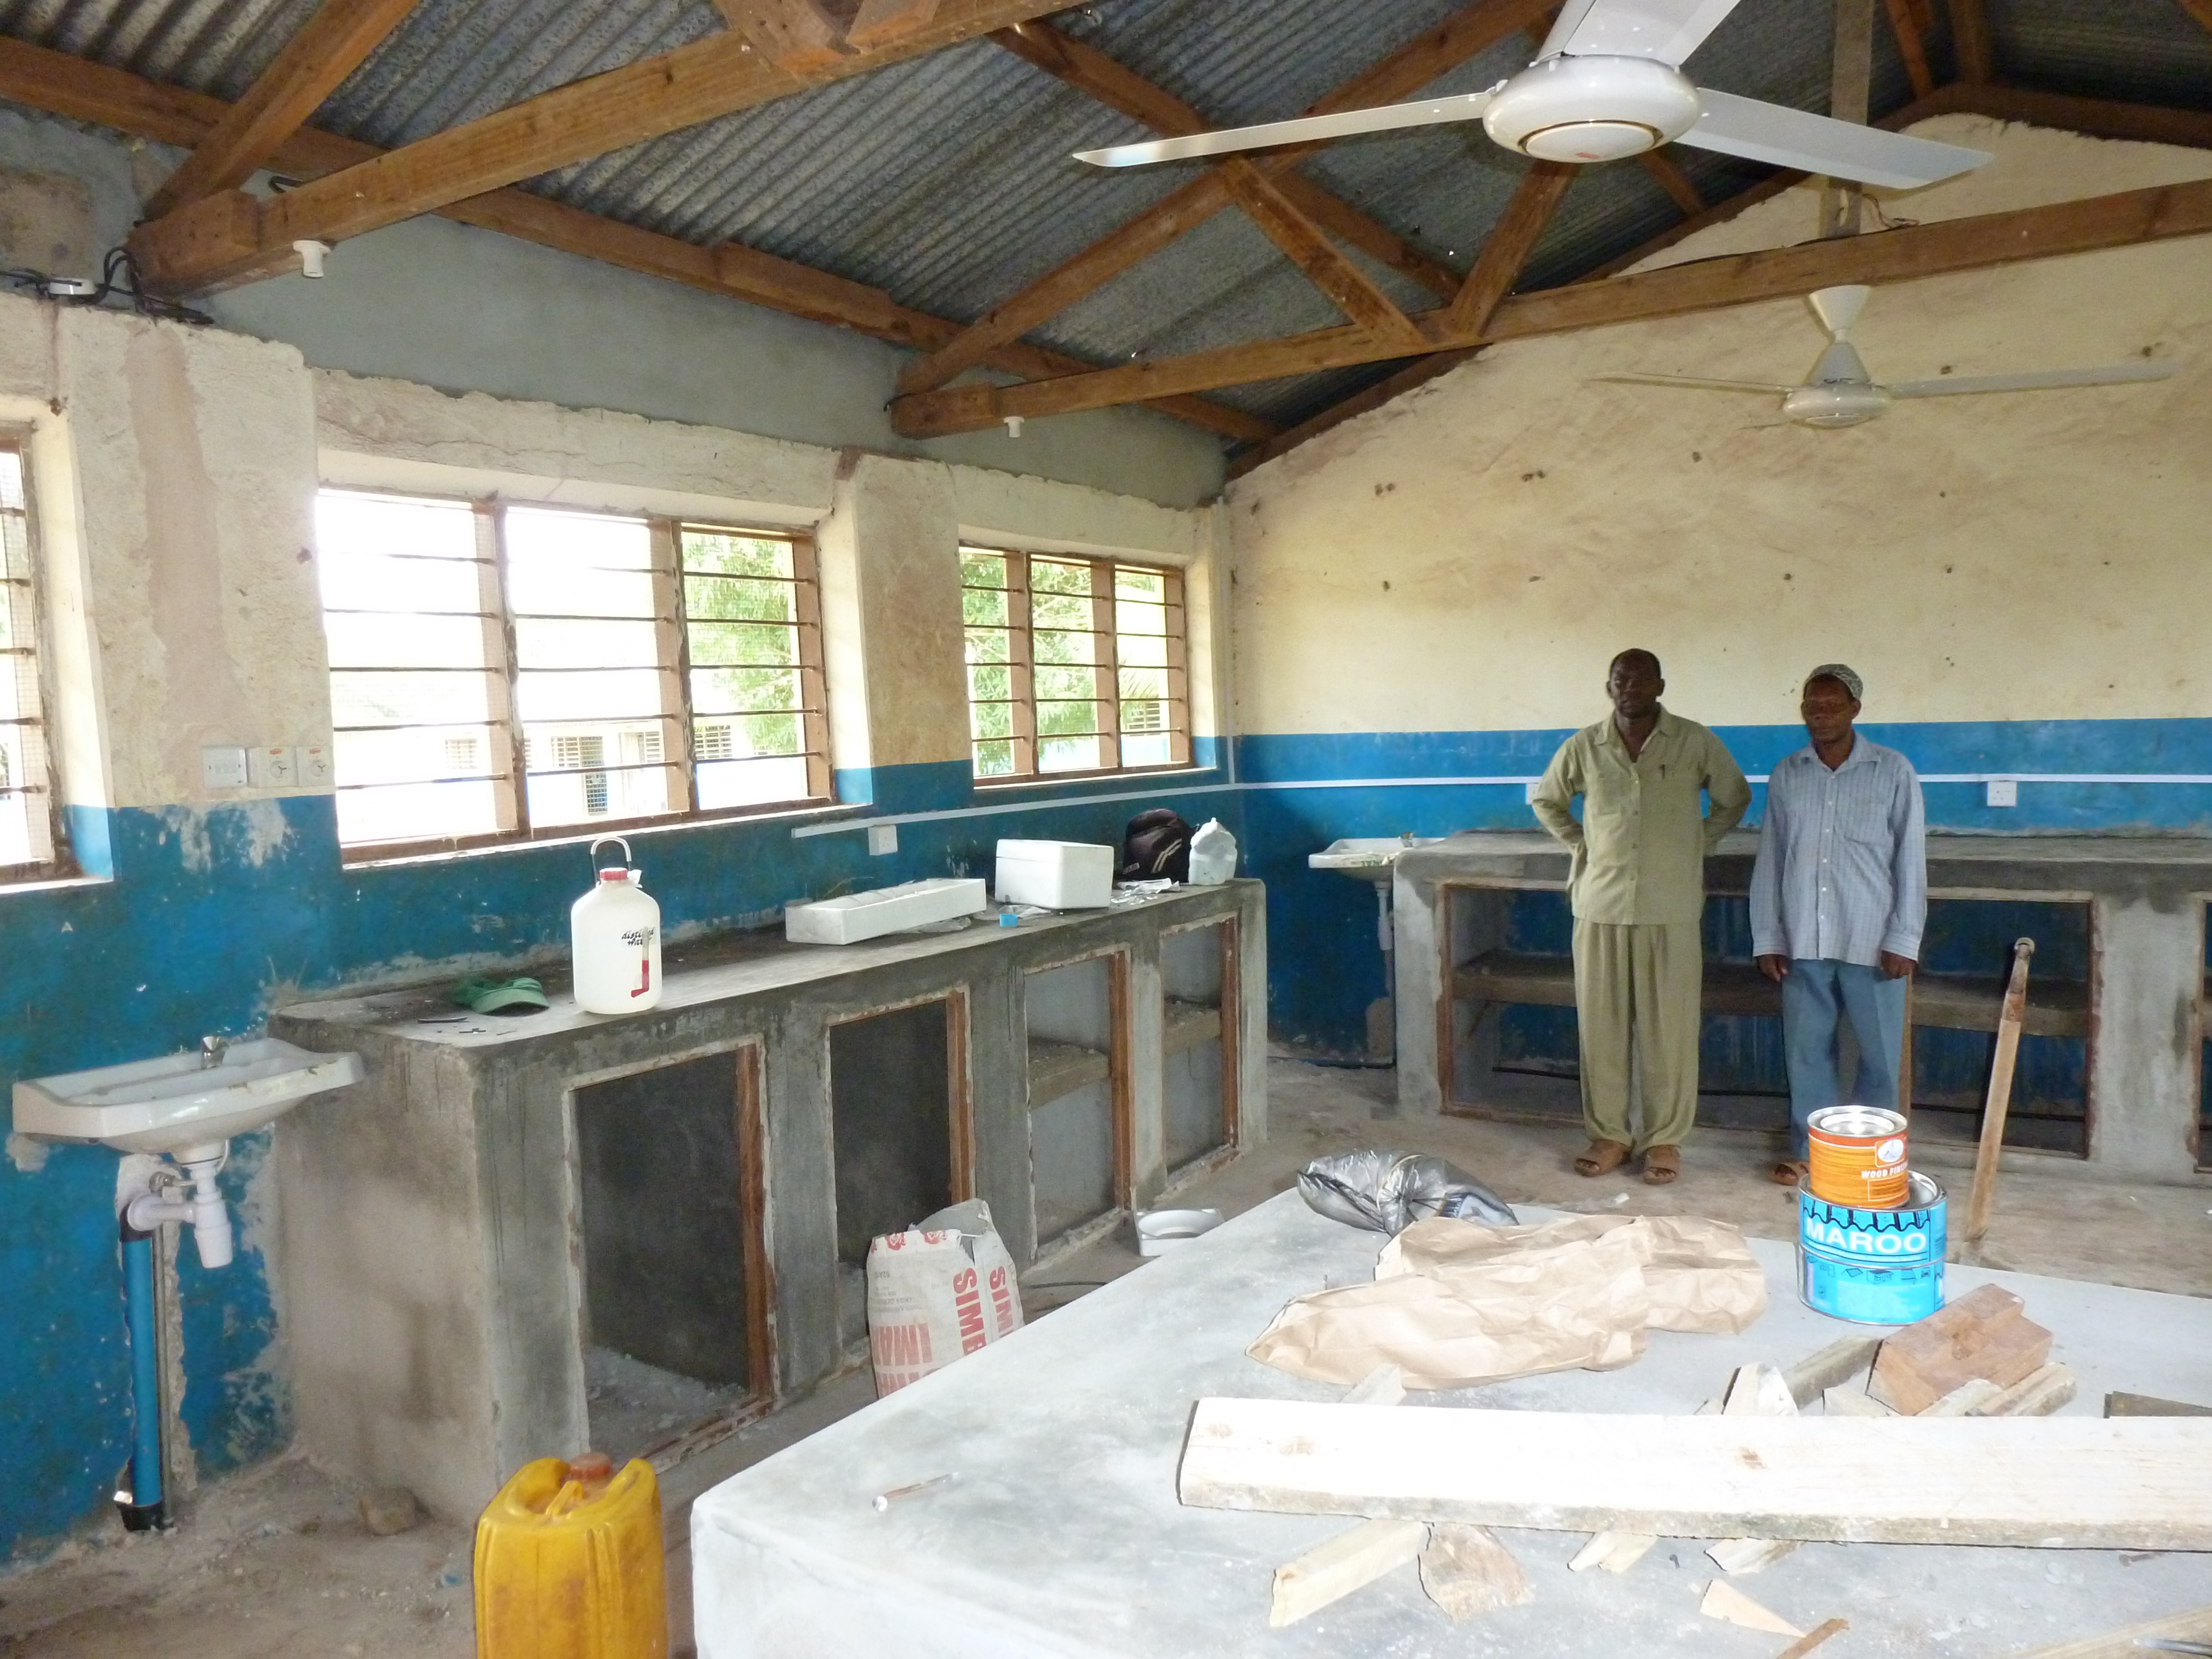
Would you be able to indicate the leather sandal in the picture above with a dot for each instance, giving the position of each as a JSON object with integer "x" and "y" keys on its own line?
{"x": 1788, "y": 1172}
{"x": 1661, "y": 1165}
{"x": 1603, "y": 1158}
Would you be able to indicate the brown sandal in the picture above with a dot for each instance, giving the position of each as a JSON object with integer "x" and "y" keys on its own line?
{"x": 1661, "y": 1165}
{"x": 1788, "y": 1172}
{"x": 1603, "y": 1158}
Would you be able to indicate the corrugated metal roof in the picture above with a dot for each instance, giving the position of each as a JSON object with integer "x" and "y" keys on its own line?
{"x": 948, "y": 179}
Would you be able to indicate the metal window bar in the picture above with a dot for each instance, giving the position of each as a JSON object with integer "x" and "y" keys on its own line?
{"x": 801, "y": 624}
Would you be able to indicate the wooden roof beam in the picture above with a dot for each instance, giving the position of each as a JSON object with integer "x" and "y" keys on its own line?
{"x": 330, "y": 47}
{"x": 85, "y": 91}
{"x": 1890, "y": 255}
{"x": 1089, "y": 71}
{"x": 707, "y": 79}
{"x": 1910, "y": 46}
{"x": 1970, "y": 41}
{"x": 1349, "y": 288}
{"x": 1506, "y": 251}
{"x": 1468, "y": 33}
{"x": 2200, "y": 9}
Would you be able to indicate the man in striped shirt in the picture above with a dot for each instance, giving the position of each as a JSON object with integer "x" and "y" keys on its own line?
{"x": 1839, "y": 895}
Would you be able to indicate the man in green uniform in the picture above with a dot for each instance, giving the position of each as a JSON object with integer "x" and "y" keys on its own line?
{"x": 1637, "y": 888}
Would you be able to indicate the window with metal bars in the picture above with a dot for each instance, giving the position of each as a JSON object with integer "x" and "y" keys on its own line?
{"x": 1074, "y": 664}
{"x": 626, "y": 670}
{"x": 31, "y": 843}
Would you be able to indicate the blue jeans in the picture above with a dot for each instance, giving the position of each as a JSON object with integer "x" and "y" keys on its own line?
{"x": 1815, "y": 996}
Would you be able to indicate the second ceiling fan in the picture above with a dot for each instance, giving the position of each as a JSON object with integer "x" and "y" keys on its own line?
{"x": 1607, "y": 84}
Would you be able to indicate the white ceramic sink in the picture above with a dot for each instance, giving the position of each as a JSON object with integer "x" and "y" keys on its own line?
{"x": 177, "y": 1102}
{"x": 1368, "y": 857}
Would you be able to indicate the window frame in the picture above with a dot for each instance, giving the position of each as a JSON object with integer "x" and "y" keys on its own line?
{"x": 60, "y": 864}
{"x": 1105, "y": 630}
{"x": 672, "y": 625}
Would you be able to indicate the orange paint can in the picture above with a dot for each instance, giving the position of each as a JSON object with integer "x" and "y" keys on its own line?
{"x": 1858, "y": 1157}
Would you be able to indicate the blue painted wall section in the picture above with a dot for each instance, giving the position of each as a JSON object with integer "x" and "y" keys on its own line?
{"x": 206, "y": 919}
{"x": 1304, "y": 790}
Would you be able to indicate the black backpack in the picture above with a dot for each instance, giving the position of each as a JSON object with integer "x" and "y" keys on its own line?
{"x": 1157, "y": 844}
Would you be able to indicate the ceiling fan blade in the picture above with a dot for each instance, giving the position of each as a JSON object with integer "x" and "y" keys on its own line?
{"x": 1814, "y": 143}
{"x": 1697, "y": 383}
{"x": 1668, "y": 30}
{"x": 2049, "y": 379}
{"x": 1305, "y": 130}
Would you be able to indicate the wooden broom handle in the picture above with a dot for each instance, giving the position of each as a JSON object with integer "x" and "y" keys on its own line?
{"x": 2000, "y": 1096}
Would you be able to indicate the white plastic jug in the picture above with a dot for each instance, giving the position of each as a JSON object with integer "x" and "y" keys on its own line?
{"x": 1212, "y": 855}
{"x": 614, "y": 940}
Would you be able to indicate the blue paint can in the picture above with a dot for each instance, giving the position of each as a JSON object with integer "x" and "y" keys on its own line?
{"x": 1873, "y": 1266}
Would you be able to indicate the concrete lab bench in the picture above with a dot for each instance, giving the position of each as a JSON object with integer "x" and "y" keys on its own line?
{"x": 434, "y": 1252}
{"x": 1062, "y": 1537}
{"x": 2139, "y": 1008}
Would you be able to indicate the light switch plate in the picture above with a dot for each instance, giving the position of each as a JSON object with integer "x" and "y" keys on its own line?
{"x": 312, "y": 766}
{"x": 272, "y": 766}
{"x": 882, "y": 838}
{"x": 2004, "y": 792}
{"x": 223, "y": 766}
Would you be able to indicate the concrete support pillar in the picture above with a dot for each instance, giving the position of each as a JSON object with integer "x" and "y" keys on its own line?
{"x": 1418, "y": 921}
{"x": 2143, "y": 1077}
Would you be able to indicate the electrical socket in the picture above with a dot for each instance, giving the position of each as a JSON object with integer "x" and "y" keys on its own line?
{"x": 882, "y": 838}
{"x": 273, "y": 767}
{"x": 311, "y": 767}
{"x": 223, "y": 766}
{"x": 2004, "y": 792}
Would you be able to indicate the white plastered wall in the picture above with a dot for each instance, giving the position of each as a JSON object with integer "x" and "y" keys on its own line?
{"x": 1470, "y": 556}
{"x": 172, "y": 472}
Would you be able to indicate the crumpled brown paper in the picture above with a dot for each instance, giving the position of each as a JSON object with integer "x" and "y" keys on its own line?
{"x": 1456, "y": 1303}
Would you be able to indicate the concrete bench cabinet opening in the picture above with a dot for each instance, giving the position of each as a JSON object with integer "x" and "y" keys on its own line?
{"x": 520, "y": 1237}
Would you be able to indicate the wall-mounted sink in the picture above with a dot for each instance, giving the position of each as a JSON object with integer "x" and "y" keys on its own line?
{"x": 180, "y": 1102}
{"x": 1368, "y": 857}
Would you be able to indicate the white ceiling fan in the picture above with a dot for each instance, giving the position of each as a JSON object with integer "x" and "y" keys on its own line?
{"x": 1840, "y": 392}
{"x": 1606, "y": 84}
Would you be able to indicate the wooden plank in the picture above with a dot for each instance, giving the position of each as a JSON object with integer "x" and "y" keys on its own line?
{"x": 1672, "y": 179}
{"x": 2195, "y": 1625}
{"x": 1999, "y": 1101}
{"x": 798, "y": 36}
{"x": 1986, "y": 1334}
{"x": 2146, "y": 1405}
{"x": 2100, "y": 118}
{"x": 1966, "y": 1400}
{"x": 719, "y": 75}
{"x": 1910, "y": 48}
{"x": 1970, "y": 41}
{"x": 1332, "y": 1571}
{"x": 85, "y": 91}
{"x": 1616, "y": 1551}
{"x": 1349, "y": 288}
{"x": 882, "y": 23}
{"x": 2051, "y": 1482}
{"x": 1850, "y": 82}
{"x": 1811, "y": 1378}
{"x": 1089, "y": 71}
{"x": 327, "y": 48}
{"x": 1506, "y": 251}
{"x": 1466, "y": 1571}
{"x": 1850, "y": 1402}
{"x": 1756, "y": 1390}
{"x": 2200, "y": 9}
{"x": 2036, "y": 1395}
{"x": 1903, "y": 254}
{"x": 1813, "y": 1638}
{"x": 1470, "y": 32}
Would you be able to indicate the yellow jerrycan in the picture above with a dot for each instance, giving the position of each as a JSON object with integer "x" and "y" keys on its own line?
{"x": 569, "y": 1564}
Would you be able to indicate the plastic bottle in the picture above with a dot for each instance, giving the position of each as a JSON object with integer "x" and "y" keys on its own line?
{"x": 1212, "y": 855}
{"x": 569, "y": 1564}
{"x": 614, "y": 940}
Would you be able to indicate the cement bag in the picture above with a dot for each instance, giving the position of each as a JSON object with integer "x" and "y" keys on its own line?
{"x": 1449, "y": 1323}
{"x": 1701, "y": 1275}
{"x": 1387, "y": 1192}
{"x": 940, "y": 1290}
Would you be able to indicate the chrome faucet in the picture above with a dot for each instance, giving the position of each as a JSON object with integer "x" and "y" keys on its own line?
{"x": 211, "y": 1051}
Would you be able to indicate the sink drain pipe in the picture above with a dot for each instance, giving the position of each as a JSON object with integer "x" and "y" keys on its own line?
{"x": 143, "y": 1505}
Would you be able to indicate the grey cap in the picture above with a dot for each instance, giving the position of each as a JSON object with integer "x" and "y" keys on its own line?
{"x": 1836, "y": 670}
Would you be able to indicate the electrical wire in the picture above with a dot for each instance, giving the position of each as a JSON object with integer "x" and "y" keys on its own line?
{"x": 118, "y": 275}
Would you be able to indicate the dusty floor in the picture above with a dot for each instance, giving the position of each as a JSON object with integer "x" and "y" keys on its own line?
{"x": 276, "y": 1562}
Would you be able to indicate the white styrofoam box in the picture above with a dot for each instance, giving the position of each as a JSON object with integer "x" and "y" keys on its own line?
{"x": 858, "y": 916}
{"x": 1060, "y": 875}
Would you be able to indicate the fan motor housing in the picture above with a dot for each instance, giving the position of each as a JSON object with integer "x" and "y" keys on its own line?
{"x": 1592, "y": 109}
{"x": 1842, "y": 402}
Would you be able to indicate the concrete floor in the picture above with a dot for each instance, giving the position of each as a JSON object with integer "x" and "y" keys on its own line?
{"x": 275, "y": 1562}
